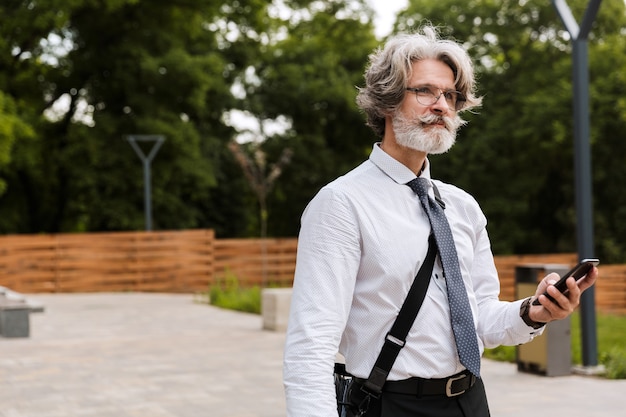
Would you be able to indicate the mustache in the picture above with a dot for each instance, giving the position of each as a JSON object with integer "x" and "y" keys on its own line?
{"x": 450, "y": 123}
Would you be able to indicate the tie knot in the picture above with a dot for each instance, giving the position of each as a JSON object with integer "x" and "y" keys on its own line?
{"x": 419, "y": 186}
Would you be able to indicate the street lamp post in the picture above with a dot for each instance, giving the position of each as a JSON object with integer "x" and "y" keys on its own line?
{"x": 147, "y": 174}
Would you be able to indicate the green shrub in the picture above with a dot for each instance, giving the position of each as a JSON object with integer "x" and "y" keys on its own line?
{"x": 227, "y": 293}
{"x": 614, "y": 362}
{"x": 502, "y": 353}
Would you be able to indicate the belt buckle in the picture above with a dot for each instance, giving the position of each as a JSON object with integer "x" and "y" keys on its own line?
{"x": 449, "y": 392}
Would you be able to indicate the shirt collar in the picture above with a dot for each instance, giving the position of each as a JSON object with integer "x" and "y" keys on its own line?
{"x": 394, "y": 169}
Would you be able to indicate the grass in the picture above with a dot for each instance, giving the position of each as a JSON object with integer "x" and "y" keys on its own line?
{"x": 611, "y": 338}
{"x": 227, "y": 293}
{"x": 611, "y": 329}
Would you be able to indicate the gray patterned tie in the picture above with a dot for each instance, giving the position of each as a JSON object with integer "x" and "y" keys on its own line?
{"x": 460, "y": 311}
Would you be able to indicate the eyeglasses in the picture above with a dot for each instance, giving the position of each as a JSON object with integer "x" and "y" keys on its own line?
{"x": 427, "y": 96}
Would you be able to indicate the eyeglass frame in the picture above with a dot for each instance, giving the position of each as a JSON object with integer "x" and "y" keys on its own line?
{"x": 457, "y": 105}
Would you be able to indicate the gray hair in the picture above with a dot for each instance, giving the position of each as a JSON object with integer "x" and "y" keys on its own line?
{"x": 390, "y": 68}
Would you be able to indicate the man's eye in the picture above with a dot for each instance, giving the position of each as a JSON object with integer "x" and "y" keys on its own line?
{"x": 424, "y": 90}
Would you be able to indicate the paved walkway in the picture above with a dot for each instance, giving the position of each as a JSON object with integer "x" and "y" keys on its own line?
{"x": 163, "y": 355}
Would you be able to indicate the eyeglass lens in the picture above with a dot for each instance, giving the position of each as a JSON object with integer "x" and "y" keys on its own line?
{"x": 429, "y": 96}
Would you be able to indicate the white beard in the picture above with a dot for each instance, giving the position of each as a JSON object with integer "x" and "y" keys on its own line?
{"x": 422, "y": 135}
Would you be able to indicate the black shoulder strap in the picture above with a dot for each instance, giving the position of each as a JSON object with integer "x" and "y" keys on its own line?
{"x": 396, "y": 338}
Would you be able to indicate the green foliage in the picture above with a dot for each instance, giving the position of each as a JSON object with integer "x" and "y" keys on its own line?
{"x": 227, "y": 293}
{"x": 12, "y": 127}
{"x": 615, "y": 363}
{"x": 132, "y": 67}
{"x": 176, "y": 68}
{"x": 501, "y": 353}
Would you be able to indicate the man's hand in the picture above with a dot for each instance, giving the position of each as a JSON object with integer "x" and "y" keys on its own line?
{"x": 564, "y": 304}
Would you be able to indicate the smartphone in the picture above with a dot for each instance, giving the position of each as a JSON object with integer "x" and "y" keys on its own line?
{"x": 578, "y": 272}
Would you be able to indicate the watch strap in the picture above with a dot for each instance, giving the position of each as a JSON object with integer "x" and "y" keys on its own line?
{"x": 524, "y": 313}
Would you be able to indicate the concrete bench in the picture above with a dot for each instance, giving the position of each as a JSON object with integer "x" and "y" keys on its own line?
{"x": 275, "y": 303}
{"x": 15, "y": 312}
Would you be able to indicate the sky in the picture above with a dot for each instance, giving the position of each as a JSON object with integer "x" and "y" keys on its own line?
{"x": 386, "y": 11}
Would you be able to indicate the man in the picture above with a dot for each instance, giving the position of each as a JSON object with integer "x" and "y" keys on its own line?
{"x": 365, "y": 235}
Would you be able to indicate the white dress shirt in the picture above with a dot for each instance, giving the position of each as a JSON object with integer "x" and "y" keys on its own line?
{"x": 363, "y": 239}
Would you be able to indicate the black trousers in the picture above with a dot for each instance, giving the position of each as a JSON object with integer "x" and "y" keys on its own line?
{"x": 472, "y": 403}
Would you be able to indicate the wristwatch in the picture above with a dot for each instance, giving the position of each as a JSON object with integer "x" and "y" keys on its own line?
{"x": 524, "y": 311}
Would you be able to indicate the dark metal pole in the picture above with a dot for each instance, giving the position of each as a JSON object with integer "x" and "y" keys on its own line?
{"x": 582, "y": 164}
{"x": 147, "y": 193}
{"x": 584, "y": 210}
{"x": 147, "y": 173}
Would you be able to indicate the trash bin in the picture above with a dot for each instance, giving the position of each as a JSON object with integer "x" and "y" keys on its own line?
{"x": 549, "y": 354}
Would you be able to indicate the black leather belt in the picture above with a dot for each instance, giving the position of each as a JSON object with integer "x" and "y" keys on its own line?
{"x": 449, "y": 387}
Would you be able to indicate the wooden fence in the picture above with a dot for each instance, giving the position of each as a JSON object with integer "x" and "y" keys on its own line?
{"x": 161, "y": 261}
{"x": 191, "y": 261}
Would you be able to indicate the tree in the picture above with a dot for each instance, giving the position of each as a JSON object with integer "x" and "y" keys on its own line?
{"x": 123, "y": 67}
{"x": 261, "y": 178}
{"x": 310, "y": 77}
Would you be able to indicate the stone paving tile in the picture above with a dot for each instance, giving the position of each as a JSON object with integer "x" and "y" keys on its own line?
{"x": 164, "y": 355}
